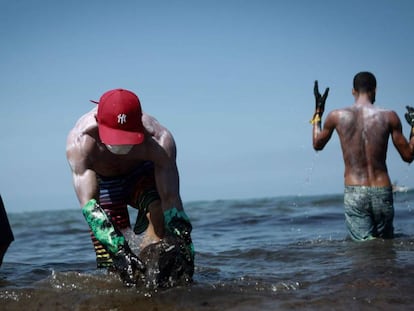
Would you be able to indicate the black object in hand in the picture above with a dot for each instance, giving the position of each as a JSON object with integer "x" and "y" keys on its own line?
{"x": 320, "y": 99}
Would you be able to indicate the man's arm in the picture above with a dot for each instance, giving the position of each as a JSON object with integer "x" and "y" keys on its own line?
{"x": 321, "y": 137}
{"x": 86, "y": 186}
{"x": 409, "y": 116}
{"x": 87, "y": 190}
{"x": 167, "y": 180}
{"x": 404, "y": 148}
{"x": 84, "y": 178}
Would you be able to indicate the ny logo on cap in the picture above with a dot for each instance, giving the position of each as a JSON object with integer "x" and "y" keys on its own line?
{"x": 122, "y": 118}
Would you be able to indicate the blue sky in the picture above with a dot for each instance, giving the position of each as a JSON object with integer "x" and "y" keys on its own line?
{"x": 232, "y": 80}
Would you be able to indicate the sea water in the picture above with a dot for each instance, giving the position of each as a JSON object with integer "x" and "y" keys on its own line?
{"x": 284, "y": 253}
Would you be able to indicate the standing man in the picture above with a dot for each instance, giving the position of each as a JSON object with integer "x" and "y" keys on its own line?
{"x": 121, "y": 156}
{"x": 364, "y": 130}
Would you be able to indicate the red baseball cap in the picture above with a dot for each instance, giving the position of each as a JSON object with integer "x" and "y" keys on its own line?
{"x": 120, "y": 118}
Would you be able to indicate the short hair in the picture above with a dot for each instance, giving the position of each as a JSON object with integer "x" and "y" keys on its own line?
{"x": 365, "y": 82}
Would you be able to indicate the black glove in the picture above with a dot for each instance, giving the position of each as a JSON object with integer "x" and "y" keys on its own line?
{"x": 128, "y": 266}
{"x": 409, "y": 115}
{"x": 320, "y": 100}
{"x": 165, "y": 266}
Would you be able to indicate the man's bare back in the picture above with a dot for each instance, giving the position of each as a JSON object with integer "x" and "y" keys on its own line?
{"x": 364, "y": 131}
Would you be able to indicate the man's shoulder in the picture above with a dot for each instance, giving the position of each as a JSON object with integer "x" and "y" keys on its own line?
{"x": 154, "y": 127}
{"x": 85, "y": 123}
{"x": 84, "y": 133}
{"x": 158, "y": 136}
{"x": 149, "y": 120}
{"x": 340, "y": 116}
{"x": 339, "y": 112}
{"x": 391, "y": 116}
{"x": 385, "y": 112}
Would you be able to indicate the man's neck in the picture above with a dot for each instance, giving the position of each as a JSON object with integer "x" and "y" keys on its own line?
{"x": 363, "y": 99}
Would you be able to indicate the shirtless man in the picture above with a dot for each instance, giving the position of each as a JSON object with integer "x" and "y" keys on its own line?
{"x": 121, "y": 156}
{"x": 364, "y": 130}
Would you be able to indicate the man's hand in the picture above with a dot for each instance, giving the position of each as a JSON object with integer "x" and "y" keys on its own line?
{"x": 409, "y": 115}
{"x": 128, "y": 266}
{"x": 320, "y": 100}
{"x": 126, "y": 263}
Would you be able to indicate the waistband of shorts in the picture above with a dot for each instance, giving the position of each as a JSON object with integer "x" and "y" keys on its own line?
{"x": 367, "y": 188}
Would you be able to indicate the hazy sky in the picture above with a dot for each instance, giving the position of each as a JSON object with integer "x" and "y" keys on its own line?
{"x": 232, "y": 80}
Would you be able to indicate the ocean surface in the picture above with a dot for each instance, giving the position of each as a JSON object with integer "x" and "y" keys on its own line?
{"x": 284, "y": 253}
